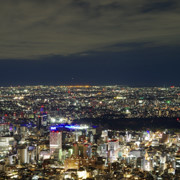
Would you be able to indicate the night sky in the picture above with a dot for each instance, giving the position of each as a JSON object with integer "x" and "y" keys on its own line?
{"x": 95, "y": 42}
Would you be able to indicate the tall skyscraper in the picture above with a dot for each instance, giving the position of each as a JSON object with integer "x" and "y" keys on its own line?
{"x": 56, "y": 144}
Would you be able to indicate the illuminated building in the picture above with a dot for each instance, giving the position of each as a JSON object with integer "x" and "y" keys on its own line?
{"x": 41, "y": 120}
{"x": 77, "y": 162}
{"x": 177, "y": 159}
{"x": 104, "y": 135}
{"x": 23, "y": 154}
{"x": 103, "y": 150}
{"x": 82, "y": 150}
{"x": 136, "y": 153}
{"x": 56, "y": 144}
{"x": 113, "y": 146}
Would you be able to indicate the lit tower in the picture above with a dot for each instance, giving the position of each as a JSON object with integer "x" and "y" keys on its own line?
{"x": 56, "y": 144}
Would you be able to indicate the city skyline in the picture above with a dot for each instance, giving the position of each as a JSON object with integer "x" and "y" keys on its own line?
{"x": 89, "y": 90}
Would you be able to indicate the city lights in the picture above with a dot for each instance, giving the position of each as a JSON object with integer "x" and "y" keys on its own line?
{"x": 90, "y": 132}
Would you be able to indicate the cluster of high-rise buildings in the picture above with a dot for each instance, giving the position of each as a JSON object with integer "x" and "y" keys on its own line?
{"x": 66, "y": 151}
{"x": 40, "y": 140}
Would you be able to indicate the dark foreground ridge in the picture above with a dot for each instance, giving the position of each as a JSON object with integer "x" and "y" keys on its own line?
{"x": 133, "y": 123}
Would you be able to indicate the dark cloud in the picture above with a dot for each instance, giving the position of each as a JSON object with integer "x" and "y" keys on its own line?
{"x": 32, "y": 29}
{"x": 160, "y": 6}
